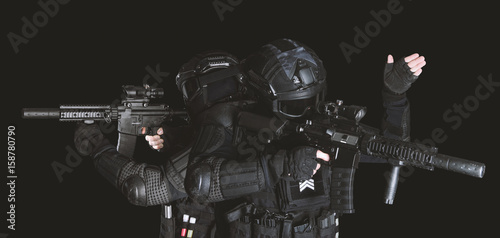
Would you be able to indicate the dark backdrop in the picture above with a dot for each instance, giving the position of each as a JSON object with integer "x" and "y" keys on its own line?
{"x": 83, "y": 51}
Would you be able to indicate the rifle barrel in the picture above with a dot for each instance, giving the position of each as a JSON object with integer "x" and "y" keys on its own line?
{"x": 40, "y": 113}
{"x": 458, "y": 165}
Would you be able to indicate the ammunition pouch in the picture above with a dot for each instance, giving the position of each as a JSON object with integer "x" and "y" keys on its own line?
{"x": 172, "y": 218}
{"x": 247, "y": 221}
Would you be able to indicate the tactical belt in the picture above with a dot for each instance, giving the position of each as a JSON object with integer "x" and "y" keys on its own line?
{"x": 254, "y": 222}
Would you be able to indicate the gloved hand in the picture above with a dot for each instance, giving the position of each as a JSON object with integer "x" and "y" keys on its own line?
{"x": 399, "y": 76}
{"x": 299, "y": 163}
{"x": 89, "y": 139}
{"x": 302, "y": 162}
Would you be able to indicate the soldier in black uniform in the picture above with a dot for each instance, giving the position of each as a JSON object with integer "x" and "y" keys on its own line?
{"x": 207, "y": 79}
{"x": 279, "y": 189}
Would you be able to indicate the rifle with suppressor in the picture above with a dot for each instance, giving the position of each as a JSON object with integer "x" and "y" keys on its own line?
{"x": 135, "y": 116}
{"x": 337, "y": 131}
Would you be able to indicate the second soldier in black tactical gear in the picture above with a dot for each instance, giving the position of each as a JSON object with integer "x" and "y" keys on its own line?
{"x": 271, "y": 193}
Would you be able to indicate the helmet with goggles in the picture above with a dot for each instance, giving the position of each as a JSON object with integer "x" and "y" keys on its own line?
{"x": 289, "y": 76}
{"x": 208, "y": 78}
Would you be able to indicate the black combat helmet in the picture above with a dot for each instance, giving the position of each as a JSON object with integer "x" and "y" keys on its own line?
{"x": 207, "y": 78}
{"x": 288, "y": 75}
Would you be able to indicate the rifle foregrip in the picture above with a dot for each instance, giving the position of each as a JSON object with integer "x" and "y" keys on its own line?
{"x": 40, "y": 113}
{"x": 458, "y": 165}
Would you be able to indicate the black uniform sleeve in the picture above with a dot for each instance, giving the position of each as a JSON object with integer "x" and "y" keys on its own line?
{"x": 219, "y": 170}
{"x": 140, "y": 183}
{"x": 396, "y": 120}
{"x": 176, "y": 138}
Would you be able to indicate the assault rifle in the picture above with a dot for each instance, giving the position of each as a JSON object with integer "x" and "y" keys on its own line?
{"x": 337, "y": 130}
{"x": 135, "y": 116}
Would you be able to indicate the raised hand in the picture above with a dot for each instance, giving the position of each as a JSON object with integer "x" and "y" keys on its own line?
{"x": 399, "y": 75}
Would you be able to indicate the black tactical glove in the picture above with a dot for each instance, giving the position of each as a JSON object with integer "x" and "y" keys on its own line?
{"x": 302, "y": 162}
{"x": 398, "y": 76}
{"x": 298, "y": 163}
{"x": 89, "y": 139}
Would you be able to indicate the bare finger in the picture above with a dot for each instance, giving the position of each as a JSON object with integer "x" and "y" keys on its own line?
{"x": 390, "y": 59}
{"x": 416, "y": 61}
{"x": 321, "y": 155}
{"x": 316, "y": 170}
{"x": 418, "y": 72}
{"x": 411, "y": 57}
{"x": 157, "y": 147}
{"x": 155, "y": 142}
{"x": 421, "y": 64}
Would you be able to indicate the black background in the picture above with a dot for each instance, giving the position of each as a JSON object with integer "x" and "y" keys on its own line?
{"x": 90, "y": 48}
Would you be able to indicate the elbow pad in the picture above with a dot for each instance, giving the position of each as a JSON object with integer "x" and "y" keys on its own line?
{"x": 134, "y": 190}
{"x": 216, "y": 179}
{"x": 145, "y": 185}
{"x": 197, "y": 182}
{"x": 141, "y": 184}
